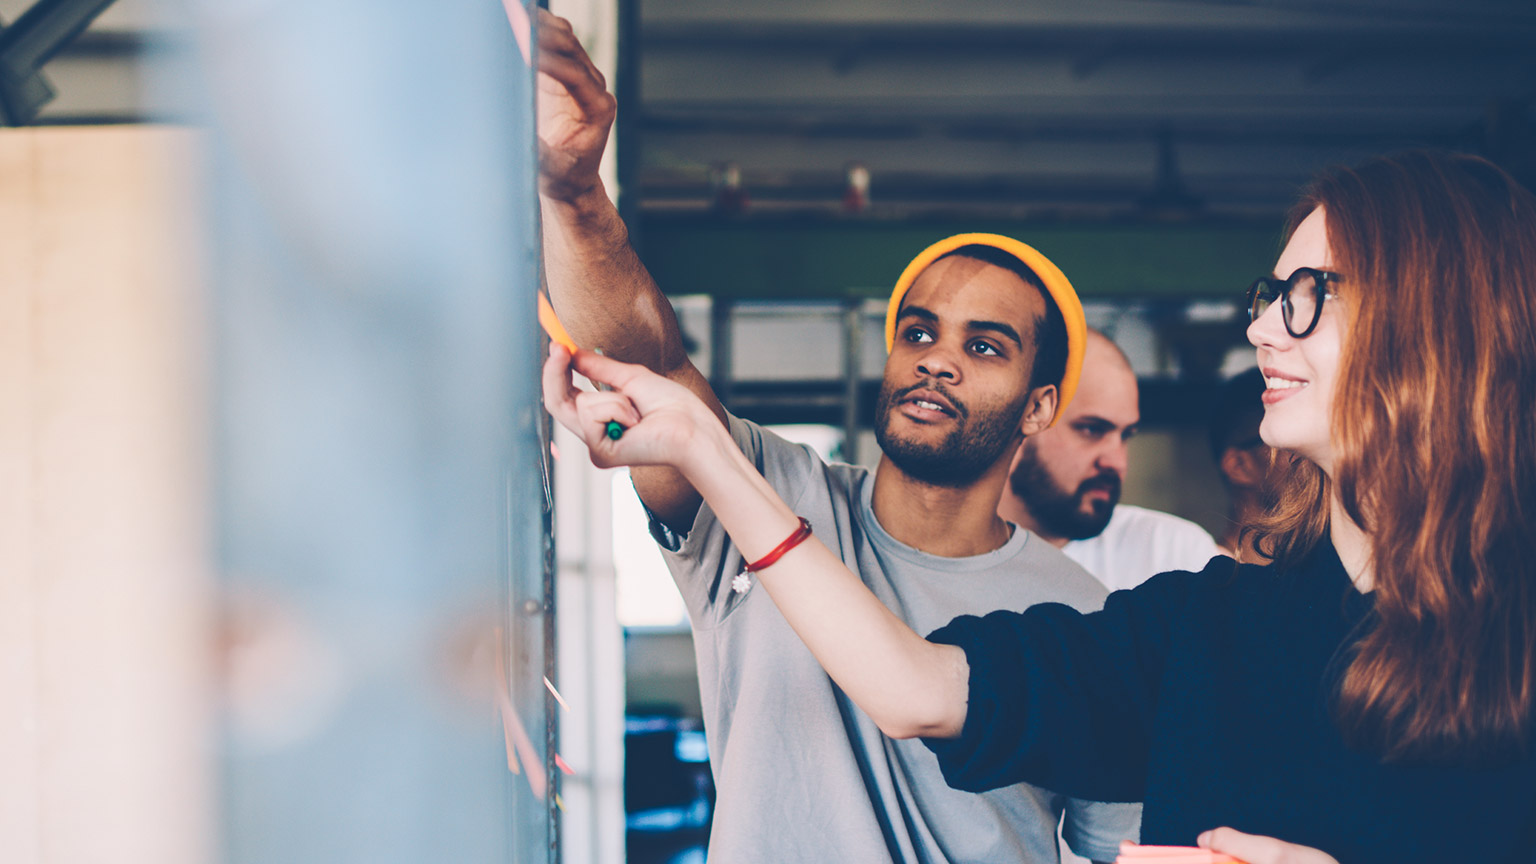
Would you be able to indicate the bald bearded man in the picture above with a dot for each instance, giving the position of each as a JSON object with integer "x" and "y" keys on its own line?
{"x": 1065, "y": 483}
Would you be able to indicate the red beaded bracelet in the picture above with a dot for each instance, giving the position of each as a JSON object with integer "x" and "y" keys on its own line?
{"x": 742, "y": 582}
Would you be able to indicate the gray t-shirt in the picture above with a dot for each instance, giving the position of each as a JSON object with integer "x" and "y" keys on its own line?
{"x": 803, "y": 775}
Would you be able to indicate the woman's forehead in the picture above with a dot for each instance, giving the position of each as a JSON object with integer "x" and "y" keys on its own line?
{"x": 1308, "y": 246}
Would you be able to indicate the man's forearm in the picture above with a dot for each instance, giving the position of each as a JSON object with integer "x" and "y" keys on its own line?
{"x": 599, "y": 288}
{"x": 608, "y": 301}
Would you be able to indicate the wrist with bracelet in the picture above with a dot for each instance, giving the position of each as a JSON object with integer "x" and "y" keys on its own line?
{"x": 743, "y": 580}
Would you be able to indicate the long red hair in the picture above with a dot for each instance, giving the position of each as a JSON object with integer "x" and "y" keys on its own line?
{"x": 1434, "y": 434}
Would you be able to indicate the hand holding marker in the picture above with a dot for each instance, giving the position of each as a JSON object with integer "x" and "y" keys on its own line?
{"x": 557, "y": 333}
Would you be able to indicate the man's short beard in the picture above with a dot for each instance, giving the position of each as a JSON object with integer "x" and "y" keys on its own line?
{"x": 1058, "y": 511}
{"x": 975, "y": 444}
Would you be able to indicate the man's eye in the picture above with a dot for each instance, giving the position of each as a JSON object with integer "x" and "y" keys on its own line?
{"x": 918, "y": 334}
{"x": 986, "y": 348}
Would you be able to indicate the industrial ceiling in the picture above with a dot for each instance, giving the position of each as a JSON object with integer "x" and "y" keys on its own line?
{"x": 1066, "y": 106}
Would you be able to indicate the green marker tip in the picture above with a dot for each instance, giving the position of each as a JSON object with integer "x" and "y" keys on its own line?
{"x": 615, "y": 430}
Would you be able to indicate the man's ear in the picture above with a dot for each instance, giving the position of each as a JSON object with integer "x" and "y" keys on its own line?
{"x": 1245, "y": 468}
{"x": 1039, "y": 411}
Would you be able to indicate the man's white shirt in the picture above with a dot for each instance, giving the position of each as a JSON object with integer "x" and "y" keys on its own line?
{"x": 1138, "y": 544}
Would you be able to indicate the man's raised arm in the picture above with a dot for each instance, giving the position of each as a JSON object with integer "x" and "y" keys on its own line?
{"x": 598, "y": 286}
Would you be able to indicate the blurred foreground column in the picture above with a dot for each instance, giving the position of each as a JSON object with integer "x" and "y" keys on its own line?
{"x": 382, "y": 500}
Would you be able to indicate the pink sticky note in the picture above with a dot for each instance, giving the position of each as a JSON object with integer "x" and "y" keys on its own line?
{"x": 517, "y": 16}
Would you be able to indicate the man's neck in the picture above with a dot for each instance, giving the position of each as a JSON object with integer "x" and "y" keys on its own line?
{"x": 950, "y": 522}
{"x": 1012, "y": 508}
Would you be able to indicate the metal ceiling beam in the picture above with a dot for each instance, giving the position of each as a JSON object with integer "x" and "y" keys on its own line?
{"x": 1312, "y": 16}
{"x": 40, "y": 33}
{"x": 798, "y": 258}
{"x": 997, "y": 110}
{"x": 1303, "y": 125}
{"x": 1429, "y": 13}
{"x": 1515, "y": 34}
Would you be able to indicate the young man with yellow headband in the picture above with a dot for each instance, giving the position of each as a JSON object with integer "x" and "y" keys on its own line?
{"x": 986, "y": 341}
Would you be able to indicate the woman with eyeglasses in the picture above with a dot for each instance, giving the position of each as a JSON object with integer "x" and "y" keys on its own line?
{"x": 1361, "y": 688}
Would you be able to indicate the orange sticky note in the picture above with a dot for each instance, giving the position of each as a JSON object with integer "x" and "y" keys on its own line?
{"x": 552, "y": 325}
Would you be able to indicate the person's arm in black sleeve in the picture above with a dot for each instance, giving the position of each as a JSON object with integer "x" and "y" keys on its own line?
{"x": 1062, "y": 699}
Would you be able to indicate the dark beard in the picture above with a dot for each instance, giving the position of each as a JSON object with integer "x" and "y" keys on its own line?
{"x": 973, "y": 446}
{"x": 1057, "y": 510}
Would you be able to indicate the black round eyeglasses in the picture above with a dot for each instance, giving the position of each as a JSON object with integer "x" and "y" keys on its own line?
{"x": 1301, "y": 298}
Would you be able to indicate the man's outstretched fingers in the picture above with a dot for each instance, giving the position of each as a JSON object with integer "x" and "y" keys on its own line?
{"x": 582, "y": 83}
{"x": 550, "y": 19}
{"x": 562, "y": 57}
{"x": 557, "y": 35}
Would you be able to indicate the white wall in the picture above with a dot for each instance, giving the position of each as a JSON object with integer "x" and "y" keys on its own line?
{"x": 591, "y": 642}
{"x": 105, "y": 586}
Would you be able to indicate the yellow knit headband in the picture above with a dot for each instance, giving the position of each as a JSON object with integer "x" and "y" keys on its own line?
{"x": 1055, "y": 282}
